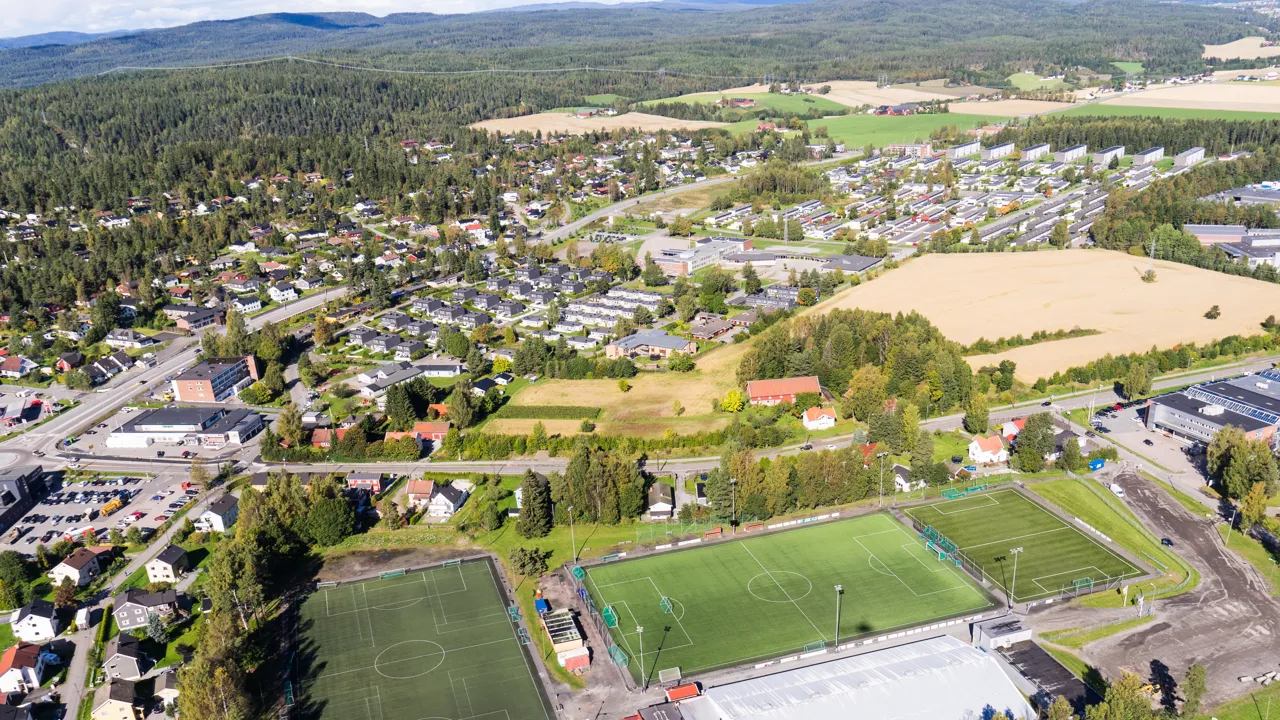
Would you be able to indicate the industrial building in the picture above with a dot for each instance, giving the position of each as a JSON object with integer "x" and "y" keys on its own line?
{"x": 1187, "y": 158}
{"x": 996, "y": 152}
{"x": 214, "y": 426}
{"x": 1035, "y": 152}
{"x": 19, "y": 488}
{"x": 1104, "y": 157}
{"x": 1259, "y": 194}
{"x": 1071, "y": 154}
{"x": 1146, "y": 157}
{"x": 1251, "y": 403}
{"x": 1255, "y": 247}
{"x": 705, "y": 253}
{"x": 964, "y": 150}
{"x": 936, "y": 678}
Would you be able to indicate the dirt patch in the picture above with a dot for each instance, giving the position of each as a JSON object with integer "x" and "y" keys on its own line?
{"x": 557, "y": 122}
{"x": 1007, "y": 108}
{"x": 1242, "y": 49}
{"x": 1247, "y": 97}
{"x": 1003, "y": 294}
{"x": 357, "y": 564}
{"x": 696, "y": 198}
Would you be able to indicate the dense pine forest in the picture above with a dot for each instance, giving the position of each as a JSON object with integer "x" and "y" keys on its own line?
{"x": 979, "y": 41}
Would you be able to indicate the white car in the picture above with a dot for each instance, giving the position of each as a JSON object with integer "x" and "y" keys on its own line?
{"x": 831, "y": 447}
{"x": 73, "y": 465}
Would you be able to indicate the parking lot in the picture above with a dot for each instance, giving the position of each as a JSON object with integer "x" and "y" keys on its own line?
{"x": 1127, "y": 427}
{"x": 75, "y": 505}
{"x": 93, "y": 441}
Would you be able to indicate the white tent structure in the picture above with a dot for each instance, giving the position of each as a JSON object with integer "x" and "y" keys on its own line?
{"x": 936, "y": 679}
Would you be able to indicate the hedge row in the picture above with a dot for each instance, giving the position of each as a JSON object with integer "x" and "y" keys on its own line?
{"x": 548, "y": 412}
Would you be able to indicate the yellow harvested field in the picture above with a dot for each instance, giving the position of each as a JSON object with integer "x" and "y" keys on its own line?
{"x": 1004, "y": 294}
{"x": 511, "y": 426}
{"x": 940, "y": 86}
{"x": 554, "y": 122}
{"x": 1007, "y": 108}
{"x": 1242, "y": 49}
{"x": 1247, "y": 97}
{"x": 862, "y": 92}
{"x": 651, "y": 395}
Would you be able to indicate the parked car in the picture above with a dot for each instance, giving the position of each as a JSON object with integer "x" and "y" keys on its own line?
{"x": 1148, "y": 442}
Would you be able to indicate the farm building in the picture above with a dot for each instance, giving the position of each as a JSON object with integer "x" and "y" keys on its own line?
{"x": 774, "y": 392}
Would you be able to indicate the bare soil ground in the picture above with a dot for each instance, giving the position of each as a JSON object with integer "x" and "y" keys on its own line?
{"x": 368, "y": 563}
{"x": 994, "y": 295}
{"x": 1007, "y": 108}
{"x": 1244, "y": 48}
{"x": 690, "y": 200}
{"x": 553, "y": 122}
{"x": 1248, "y": 97}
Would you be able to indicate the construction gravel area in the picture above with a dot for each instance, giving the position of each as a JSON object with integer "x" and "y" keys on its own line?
{"x": 1228, "y": 623}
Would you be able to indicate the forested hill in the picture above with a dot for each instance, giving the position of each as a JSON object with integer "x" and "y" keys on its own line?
{"x": 976, "y": 40}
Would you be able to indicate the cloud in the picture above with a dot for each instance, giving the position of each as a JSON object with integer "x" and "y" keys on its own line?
{"x": 21, "y": 17}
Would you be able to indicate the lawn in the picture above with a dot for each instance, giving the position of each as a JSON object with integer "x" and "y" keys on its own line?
{"x": 1054, "y": 554}
{"x": 1131, "y": 68}
{"x": 950, "y": 444}
{"x": 1117, "y": 522}
{"x": 604, "y": 99}
{"x": 1177, "y": 113}
{"x": 1256, "y": 555}
{"x": 780, "y": 588}
{"x": 800, "y": 104}
{"x": 438, "y": 642}
{"x": 1031, "y": 81}
{"x": 856, "y": 131}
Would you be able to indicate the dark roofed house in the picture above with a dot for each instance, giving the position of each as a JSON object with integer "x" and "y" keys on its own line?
{"x": 133, "y": 607}
{"x": 662, "y": 501}
{"x": 114, "y": 700}
{"x": 122, "y": 657}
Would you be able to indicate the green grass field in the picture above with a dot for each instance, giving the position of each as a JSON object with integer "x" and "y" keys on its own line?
{"x": 604, "y": 99}
{"x": 1054, "y": 552}
{"x": 434, "y": 643}
{"x": 856, "y": 131}
{"x": 1176, "y": 113}
{"x": 798, "y": 103}
{"x": 1132, "y": 68}
{"x": 1031, "y": 81}
{"x": 764, "y": 596}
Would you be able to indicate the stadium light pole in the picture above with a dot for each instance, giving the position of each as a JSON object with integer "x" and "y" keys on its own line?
{"x": 1004, "y": 580}
{"x": 733, "y": 511}
{"x": 572, "y": 538}
{"x": 1016, "y": 552}
{"x": 881, "y": 456}
{"x": 644, "y": 685}
{"x": 839, "y": 591}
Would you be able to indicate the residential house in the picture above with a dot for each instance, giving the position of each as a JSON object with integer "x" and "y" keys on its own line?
{"x": 784, "y": 390}
{"x": 446, "y": 500}
{"x": 662, "y": 501}
{"x": 282, "y": 293}
{"x": 651, "y": 343}
{"x": 819, "y": 418}
{"x": 127, "y": 339}
{"x": 168, "y": 565}
{"x": 81, "y": 567}
{"x": 134, "y": 607}
{"x": 69, "y": 361}
{"x": 35, "y": 622}
{"x": 114, "y": 700}
{"x": 410, "y": 350}
{"x": 165, "y": 689}
{"x": 371, "y": 481}
{"x": 220, "y": 515}
{"x": 122, "y": 658}
{"x": 420, "y": 492}
{"x": 987, "y": 450}
{"x": 245, "y": 304}
{"x": 902, "y": 481}
{"x": 21, "y": 668}
{"x": 17, "y": 366}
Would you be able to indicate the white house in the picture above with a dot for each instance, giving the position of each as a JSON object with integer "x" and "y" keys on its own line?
{"x": 819, "y": 418}
{"x": 987, "y": 449}
{"x": 80, "y": 567}
{"x": 21, "y": 668}
{"x": 446, "y": 500}
{"x": 902, "y": 479}
{"x": 35, "y": 622}
{"x": 221, "y": 515}
{"x": 282, "y": 293}
{"x": 662, "y": 501}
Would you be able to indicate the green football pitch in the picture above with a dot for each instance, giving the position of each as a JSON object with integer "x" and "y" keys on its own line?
{"x": 772, "y": 594}
{"x": 1054, "y": 553}
{"x": 429, "y": 644}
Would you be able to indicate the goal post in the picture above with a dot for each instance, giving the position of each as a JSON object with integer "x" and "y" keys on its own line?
{"x": 815, "y": 645}
{"x": 610, "y": 617}
{"x": 665, "y": 604}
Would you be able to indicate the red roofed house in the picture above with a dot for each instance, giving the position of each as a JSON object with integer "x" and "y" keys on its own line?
{"x": 773, "y": 392}
{"x": 987, "y": 449}
{"x": 1011, "y": 428}
{"x": 420, "y": 493}
{"x": 21, "y": 668}
{"x": 442, "y": 410}
{"x": 433, "y": 431}
{"x": 819, "y": 418}
{"x": 324, "y": 437}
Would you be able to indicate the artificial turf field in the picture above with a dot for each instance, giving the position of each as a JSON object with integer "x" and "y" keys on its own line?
{"x": 763, "y": 596}
{"x": 1054, "y": 552}
{"x": 434, "y": 644}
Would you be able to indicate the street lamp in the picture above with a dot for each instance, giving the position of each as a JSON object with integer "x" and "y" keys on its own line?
{"x": 644, "y": 684}
{"x": 881, "y": 456}
{"x": 839, "y": 590}
{"x": 1004, "y": 580}
{"x": 1016, "y": 552}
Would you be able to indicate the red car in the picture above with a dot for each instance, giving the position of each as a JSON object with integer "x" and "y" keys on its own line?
{"x": 161, "y": 518}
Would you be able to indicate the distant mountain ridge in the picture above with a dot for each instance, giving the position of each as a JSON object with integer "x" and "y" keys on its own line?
{"x": 57, "y": 38}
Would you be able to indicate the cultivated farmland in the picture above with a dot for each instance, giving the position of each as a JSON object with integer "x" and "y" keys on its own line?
{"x": 553, "y": 122}
{"x": 1006, "y": 108}
{"x": 1180, "y": 113}
{"x": 1242, "y": 49}
{"x": 1246, "y": 97}
{"x": 858, "y": 130}
{"x": 797, "y": 103}
{"x": 1003, "y": 294}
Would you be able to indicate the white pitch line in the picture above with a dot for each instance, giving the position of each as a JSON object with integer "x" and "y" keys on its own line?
{"x": 784, "y": 592}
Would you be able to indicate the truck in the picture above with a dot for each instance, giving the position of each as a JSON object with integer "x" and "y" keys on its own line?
{"x": 15, "y": 534}
{"x": 114, "y": 505}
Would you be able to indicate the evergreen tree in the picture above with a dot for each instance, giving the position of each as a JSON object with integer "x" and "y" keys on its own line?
{"x": 1193, "y": 689}
{"x": 535, "y": 506}
{"x": 750, "y": 280}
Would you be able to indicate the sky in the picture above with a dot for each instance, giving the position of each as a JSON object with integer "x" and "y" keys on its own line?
{"x": 22, "y": 17}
